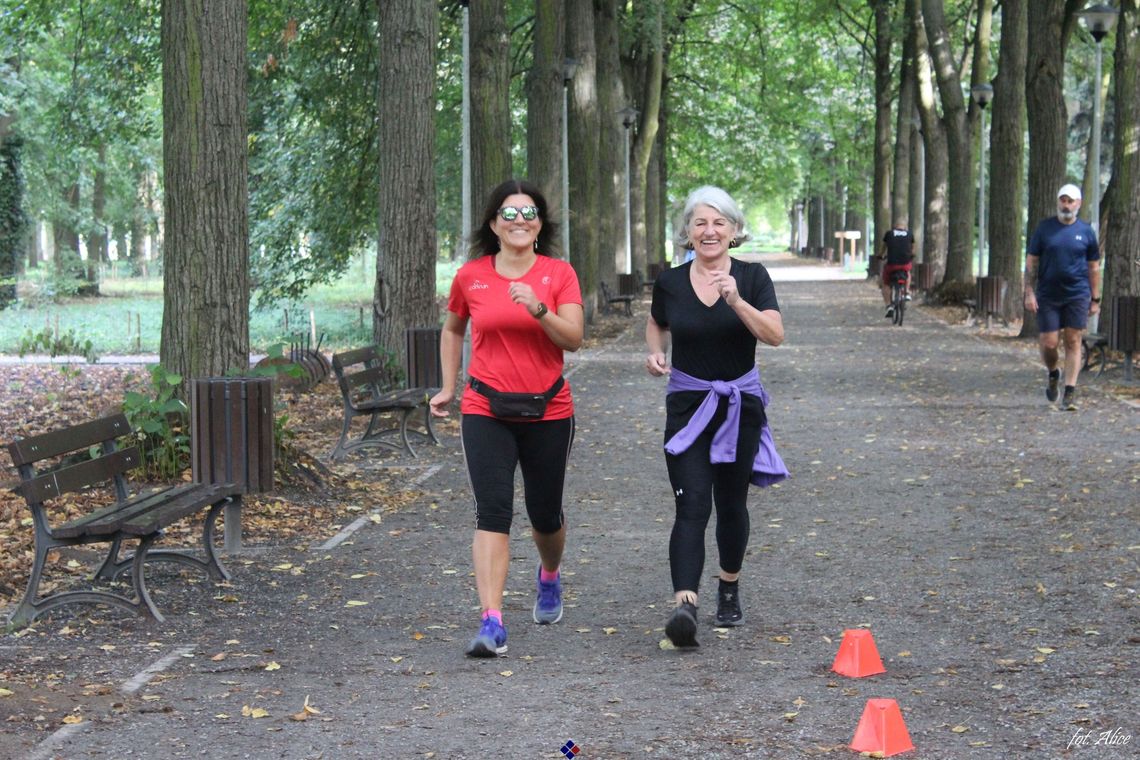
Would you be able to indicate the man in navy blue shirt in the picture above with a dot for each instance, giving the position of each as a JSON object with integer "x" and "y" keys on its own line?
{"x": 1062, "y": 280}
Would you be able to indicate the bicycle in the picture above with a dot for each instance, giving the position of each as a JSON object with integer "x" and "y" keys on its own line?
{"x": 898, "y": 296}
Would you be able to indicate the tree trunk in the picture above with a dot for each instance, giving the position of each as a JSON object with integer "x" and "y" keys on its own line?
{"x": 405, "y": 264}
{"x": 68, "y": 263}
{"x": 960, "y": 161}
{"x": 613, "y": 143}
{"x": 1122, "y": 229}
{"x": 1045, "y": 116}
{"x": 936, "y": 220}
{"x": 545, "y": 97}
{"x": 97, "y": 241}
{"x": 584, "y": 125}
{"x": 490, "y": 98}
{"x": 205, "y": 319}
{"x": 648, "y": 244}
{"x": 1007, "y": 163}
{"x": 13, "y": 223}
{"x": 883, "y": 96}
{"x": 904, "y": 130}
{"x": 655, "y": 212}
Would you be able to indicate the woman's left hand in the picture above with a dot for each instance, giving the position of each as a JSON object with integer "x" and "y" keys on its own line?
{"x": 725, "y": 285}
{"x": 523, "y": 294}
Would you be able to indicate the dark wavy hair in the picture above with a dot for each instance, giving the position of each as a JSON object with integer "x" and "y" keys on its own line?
{"x": 484, "y": 240}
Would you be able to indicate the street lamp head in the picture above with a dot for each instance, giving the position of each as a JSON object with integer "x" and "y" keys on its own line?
{"x": 1099, "y": 19}
{"x": 569, "y": 66}
{"x": 628, "y": 116}
{"x": 982, "y": 94}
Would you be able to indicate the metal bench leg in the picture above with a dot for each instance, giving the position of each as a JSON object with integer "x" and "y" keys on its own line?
{"x": 339, "y": 450}
{"x": 145, "y": 605}
{"x": 404, "y": 431}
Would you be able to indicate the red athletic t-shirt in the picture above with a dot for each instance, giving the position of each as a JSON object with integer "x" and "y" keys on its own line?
{"x": 509, "y": 349}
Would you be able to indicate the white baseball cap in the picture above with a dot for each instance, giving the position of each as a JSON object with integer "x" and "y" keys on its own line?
{"x": 1072, "y": 191}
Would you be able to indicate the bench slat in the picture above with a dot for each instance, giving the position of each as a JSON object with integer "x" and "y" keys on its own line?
{"x": 78, "y": 476}
{"x": 38, "y": 447}
{"x": 393, "y": 400}
{"x": 365, "y": 377}
{"x": 355, "y": 356}
{"x": 147, "y": 512}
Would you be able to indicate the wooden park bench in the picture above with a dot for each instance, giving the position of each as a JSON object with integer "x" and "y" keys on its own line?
{"x": 85, "y": 458}
{"x": 612, "y": 302}
{"x": 369, "y": 388}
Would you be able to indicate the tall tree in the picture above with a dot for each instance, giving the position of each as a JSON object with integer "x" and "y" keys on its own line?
{"x": 205, "y": 320}
{"x": 406, "y": 253}
{"x": 1049, "y": 29}
{"x": 13, "y": 220}
{"x": 584, "y": 126}
{"x": 611, "y": 142}
{"x": 1122, "y": 229}
{"x": 900, "y": 189}
{"x": 957, "y": 117}
{"x": 881, "y": 188}
{"x": 935, "y": 218}
{"x": 545, "y": 97}
{"x": 647, "y": 63}
{"x": 1007, "y": 151}
{"x": 490, "y": 101}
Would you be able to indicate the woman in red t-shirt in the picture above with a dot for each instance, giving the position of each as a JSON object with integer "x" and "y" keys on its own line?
{"x": 525, "y": 309}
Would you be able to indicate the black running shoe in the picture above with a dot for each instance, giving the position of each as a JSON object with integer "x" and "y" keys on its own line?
{"x": 682, "y": 626}
{"x": 1051, "y": 388}
{"x": 728, "y": 612}
{"x": 1069, "y": 400}
{"x": 890, "y": 312}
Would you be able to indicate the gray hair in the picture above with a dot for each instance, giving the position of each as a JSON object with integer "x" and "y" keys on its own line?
{"x": 714, "y": 198}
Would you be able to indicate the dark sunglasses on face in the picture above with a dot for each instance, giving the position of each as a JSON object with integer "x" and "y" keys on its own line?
{"x": 510, "y": 213}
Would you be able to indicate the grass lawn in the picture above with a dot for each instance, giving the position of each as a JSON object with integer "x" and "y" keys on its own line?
{"x": 127, "y": 317}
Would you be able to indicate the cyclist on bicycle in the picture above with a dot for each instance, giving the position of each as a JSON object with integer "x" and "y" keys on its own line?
{"x": 898, "y": 252}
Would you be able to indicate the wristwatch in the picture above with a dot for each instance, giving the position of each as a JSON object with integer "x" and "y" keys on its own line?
{"x": 542, "y": 310}
{"x": 1096, "y": 300}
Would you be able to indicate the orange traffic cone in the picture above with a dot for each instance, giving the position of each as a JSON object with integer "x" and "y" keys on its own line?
{"x": 857, "y": 656}
{"x": 881, "y": 729}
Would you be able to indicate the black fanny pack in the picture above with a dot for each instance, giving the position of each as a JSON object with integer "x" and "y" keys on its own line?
{"x": 525, "y": 406}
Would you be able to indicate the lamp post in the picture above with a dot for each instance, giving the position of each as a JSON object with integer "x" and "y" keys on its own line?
{"x": 1099, "y": 20}
{"x": 569, "y": 66}
{"x": 628, "y": 119}
{"x": 982, "y": 94}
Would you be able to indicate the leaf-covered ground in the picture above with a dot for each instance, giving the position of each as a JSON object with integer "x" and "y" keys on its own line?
{"x": 311, "y": 501}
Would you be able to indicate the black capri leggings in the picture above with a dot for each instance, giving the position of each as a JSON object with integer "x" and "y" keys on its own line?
{"x": 696, "y": 485}
{"x": 493, "y": 448}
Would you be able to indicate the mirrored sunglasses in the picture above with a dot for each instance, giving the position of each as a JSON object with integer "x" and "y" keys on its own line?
{"x": 510, "y": 213}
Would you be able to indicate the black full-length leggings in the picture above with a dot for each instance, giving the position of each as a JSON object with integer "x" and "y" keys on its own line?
{"x": 495, "y": 448}
{"x": 697, "y": 484}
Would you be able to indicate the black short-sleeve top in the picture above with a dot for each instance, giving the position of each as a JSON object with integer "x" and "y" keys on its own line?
{"x": 709, "y": 342}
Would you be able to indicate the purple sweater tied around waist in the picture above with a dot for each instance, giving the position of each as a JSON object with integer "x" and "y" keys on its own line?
{"x": 767, "y": 467}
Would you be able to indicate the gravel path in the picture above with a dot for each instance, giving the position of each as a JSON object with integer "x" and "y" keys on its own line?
{"x": 989, "y": 542}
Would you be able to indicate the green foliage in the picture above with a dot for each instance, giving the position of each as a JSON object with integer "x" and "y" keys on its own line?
{"x": 160, "y": 423}
{"x": 56, "y": 344}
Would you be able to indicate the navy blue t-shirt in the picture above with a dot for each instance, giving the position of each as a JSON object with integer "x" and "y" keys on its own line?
{"x": 1064, "y": 252}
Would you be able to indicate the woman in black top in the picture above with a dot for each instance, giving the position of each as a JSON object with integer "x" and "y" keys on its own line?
{"x": 712, "y": 310}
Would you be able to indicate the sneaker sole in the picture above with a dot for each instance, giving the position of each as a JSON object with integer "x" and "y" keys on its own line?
{"x": 540, "y": 621}
{"x": 682, "y": 630}
{"x": 482, "y": 647}
{"x": 728, "y": 623}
